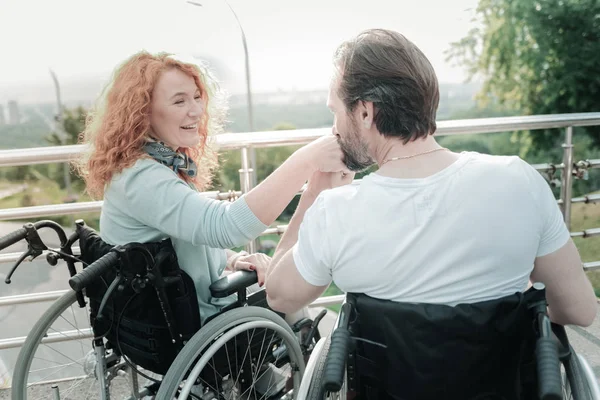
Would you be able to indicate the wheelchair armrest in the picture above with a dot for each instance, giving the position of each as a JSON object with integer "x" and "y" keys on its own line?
{"x": 233, "y": 283}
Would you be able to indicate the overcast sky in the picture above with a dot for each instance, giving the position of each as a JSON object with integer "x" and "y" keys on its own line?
{"x": 290, "y": 42}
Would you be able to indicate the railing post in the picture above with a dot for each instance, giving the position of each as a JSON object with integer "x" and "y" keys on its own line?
{"x": 246, "y": 179}
{"x": 567, "y": 177}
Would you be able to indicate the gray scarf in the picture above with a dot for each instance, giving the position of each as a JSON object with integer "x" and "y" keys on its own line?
{"x": 173, "y": 159}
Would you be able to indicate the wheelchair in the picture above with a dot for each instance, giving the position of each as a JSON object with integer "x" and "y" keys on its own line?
{"x": 139, "y": 312}
{"x": 505, "y": 349}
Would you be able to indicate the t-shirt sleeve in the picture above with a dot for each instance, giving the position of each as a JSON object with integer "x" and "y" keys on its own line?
{"x": 553, "y": 231}
{"x": 312, "y": 251}
{"x": 155, "y": 196}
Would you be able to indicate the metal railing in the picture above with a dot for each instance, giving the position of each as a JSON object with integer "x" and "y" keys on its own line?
{"x": 244, "y": 141}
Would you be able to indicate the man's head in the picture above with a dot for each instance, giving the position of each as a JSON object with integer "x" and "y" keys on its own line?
{"x": 383, "y": 83}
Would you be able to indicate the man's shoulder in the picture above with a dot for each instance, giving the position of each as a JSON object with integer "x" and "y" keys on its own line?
{"x": 340, "y": 194}
{"x": 494, "y": 160}
{"x": 511, "y": 167}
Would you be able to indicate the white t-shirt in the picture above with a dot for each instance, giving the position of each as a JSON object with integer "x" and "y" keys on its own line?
{"x": 468, "y": 233}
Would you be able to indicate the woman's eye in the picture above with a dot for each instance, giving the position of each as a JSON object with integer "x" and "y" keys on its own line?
{"x": 179, "y": 102}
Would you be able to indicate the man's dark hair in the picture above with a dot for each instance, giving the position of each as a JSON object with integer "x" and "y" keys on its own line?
{"x": 384, "y": 67}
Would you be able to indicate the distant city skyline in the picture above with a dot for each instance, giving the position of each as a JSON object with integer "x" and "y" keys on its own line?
{"x": 290, "y": 43}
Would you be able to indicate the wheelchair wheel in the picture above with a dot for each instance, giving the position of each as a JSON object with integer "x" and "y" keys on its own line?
{"x": 312, "y": 385}
{"x": 58, "y": 351}
{"x": 245, "y": 353}
{"x": 576, "y": 382}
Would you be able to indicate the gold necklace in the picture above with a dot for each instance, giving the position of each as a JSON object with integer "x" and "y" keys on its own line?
{"x": 413, "y": 155}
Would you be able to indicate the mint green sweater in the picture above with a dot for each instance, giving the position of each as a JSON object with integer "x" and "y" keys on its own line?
{"x": 148, "y": 202}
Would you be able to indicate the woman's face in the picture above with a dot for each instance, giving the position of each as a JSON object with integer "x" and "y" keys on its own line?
{"x": 176, "y": 110}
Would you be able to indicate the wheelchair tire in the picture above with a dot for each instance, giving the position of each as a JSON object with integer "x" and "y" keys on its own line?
{"x": 575, "y": 384}
{"x": 215, "y": 336}
{"x": 316, "y": 390}
{"x": 46, "y": 338}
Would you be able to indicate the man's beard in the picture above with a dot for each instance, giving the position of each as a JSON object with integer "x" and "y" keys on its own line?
{"x": 356, "y": 151}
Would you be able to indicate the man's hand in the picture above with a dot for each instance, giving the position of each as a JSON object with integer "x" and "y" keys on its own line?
{"x": 258, "y": 262}
{"x": 320, "y": 181}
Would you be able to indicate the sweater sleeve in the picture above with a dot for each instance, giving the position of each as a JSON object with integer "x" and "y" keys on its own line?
{"x": 156, "y": 197}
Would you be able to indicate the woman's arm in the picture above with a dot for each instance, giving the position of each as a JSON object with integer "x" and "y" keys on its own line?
{"x": 268, "y": 200}
{"x": 155, "y": 196}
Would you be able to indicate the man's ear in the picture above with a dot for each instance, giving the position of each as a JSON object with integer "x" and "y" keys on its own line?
{"x": 366, "y": 115}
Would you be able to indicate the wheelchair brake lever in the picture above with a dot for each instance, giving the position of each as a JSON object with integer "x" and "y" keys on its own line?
{"x": 35, "y": 248}
{"x": 34, "y": 241}
{"x": 314, "y": 329}
{"x": 28, "y": 253}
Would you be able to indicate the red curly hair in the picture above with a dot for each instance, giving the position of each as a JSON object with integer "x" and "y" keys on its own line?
{"x": 118, "y": 128}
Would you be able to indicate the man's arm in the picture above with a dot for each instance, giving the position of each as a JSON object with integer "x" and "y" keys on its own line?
{"x": 571, "y": 298}
{"x": 287, "y": 291}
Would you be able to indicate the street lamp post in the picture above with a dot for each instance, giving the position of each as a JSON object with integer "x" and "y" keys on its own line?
{"x": 60, "y": 131}
{"x": 248, "y": 86}
{"x": 247, "y": 172}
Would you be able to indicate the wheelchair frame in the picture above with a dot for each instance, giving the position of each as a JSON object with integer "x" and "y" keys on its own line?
{"x": 234, "y": 319}
{"x": 332, "y": 357}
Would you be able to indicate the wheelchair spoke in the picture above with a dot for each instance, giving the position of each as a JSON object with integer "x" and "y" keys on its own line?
{"x": 62, "y": 354}
{"x": 228, "y": 359}
{"x": 258, "y": 365}
{"x": 80, "y": 382}
{"x": 77, "y": 327}
{"x": 244, "y": 360}
{"x": 46, "y": 378}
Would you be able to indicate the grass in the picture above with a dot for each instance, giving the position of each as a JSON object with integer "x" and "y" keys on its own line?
{"x": 587, "y": 216}
{"x": 44, "y": 193}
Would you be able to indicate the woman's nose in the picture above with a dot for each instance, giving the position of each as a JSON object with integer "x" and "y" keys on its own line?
{"x": 196, "y": 110}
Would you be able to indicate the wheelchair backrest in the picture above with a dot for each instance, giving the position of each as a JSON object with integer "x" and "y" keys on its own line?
{"x": 133, "y": 319}
{"x": 422, "y": 351}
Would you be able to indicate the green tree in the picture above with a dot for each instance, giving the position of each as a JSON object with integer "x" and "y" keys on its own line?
{"x": 536, "y": 57}
{"x": 73, "y": 123}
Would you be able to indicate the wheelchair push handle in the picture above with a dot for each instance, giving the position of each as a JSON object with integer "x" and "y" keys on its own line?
{"x": 12, "y": 238}
{"x": 546, "y": 348}
{"x": 94, "y": 271}
{"x": 548, "y": 369}
{"x": 335, "y": 363}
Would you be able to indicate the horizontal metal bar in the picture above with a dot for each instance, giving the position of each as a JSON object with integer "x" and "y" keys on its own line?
{"x": 280, "y": 230}
{"x": 547, "y": 167}
{"x": 31, "y": 298}
{"x": 54, "y": 337}
{"x": 50, "y": 209}
{"x": 587, "y": 233}
{"x": 594, "y": 163}
{"x": 590, "y": 198}
{"x": 230, "y": 141}
{"x": 83, "y": 207}
{"x": 591, "y": 266}
{"x": 327, "y": 301}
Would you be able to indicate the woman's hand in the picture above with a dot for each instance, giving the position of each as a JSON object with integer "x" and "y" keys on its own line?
{"x": 325, "y": 155}
{"x": 258, "y": 262}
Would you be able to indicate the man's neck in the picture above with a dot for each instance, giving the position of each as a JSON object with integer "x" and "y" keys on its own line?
{"x": 389, "y": 148}
{"x": 425, "y": 157}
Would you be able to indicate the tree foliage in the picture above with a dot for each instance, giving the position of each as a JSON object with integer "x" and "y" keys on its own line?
{"x": 536, "y": 57}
